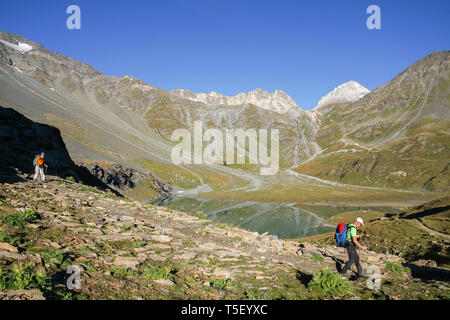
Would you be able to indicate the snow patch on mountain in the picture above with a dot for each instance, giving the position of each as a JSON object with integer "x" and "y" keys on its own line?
{"x": 348, "y": 92}
{"x": 277, "y": 101}
{"x": 21, "y": 47}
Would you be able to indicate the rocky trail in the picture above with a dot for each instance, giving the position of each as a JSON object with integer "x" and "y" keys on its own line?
{"x": 132, "y": 250}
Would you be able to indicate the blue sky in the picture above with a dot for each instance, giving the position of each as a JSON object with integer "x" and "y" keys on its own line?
{"x": 305, "y": 48}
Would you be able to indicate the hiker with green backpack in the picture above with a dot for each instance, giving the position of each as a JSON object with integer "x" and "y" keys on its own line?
{"x": 346, "y": 236}
{"x": 39, "y": 164}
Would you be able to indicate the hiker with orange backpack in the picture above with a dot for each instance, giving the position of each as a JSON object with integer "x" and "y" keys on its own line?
{"x": 39, "y": 164}
{"x": 346, "y": 237}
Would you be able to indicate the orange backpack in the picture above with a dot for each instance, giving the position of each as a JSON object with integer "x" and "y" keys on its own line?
{"x": 38, "y": 161}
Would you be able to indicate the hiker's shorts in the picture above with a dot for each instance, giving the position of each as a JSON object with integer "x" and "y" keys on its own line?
{"x": 38, "y": 170}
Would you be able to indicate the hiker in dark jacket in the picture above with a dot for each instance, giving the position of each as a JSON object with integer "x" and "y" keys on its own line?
{"x": 351, "y": 244}
{"x": 39, "y": 163}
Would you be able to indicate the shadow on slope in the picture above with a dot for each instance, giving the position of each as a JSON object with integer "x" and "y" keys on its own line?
{"x": 21, "y": 139}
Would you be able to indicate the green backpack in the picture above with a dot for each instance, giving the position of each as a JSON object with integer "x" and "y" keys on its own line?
{"x": 34, "y": 160}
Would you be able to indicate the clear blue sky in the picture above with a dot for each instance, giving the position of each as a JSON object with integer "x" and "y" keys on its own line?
{"x": 305, "y": 48}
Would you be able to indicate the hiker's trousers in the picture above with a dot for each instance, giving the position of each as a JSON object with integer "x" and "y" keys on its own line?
{"x": 353, "y": 258}
{"x": 39, "y": 170}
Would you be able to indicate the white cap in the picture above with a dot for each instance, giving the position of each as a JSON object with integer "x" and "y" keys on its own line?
{"x": 360, "y": 220}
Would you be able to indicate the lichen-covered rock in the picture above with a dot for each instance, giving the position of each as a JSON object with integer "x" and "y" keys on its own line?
{"x": 34, "y": 294}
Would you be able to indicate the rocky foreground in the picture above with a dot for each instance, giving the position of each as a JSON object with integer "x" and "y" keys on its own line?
{"x": 131, "y": 250}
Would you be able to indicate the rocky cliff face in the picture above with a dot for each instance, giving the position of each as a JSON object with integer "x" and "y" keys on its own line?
{"x": 125, "y": 179}
{"x": 21, "y": 139}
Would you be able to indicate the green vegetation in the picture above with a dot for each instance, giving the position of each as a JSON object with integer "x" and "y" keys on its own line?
{"x": 326, "y": 194}
{"x": 168, "y": 172}
{"x": 222, "y": 283}
{"x": 416, "y": 161}
{"x": 395, "y": 267}
{"x": 151, "y": 271}
{"x": 20, "y": 218}
{"x": 89, "y": 188}
{"x": 122, "y": 272}
{"x": 52, "y": 255}
{"x": 138, "y": 244}
{"x": 70, "y": 179}
{"x": 349, "y": 217}
{"x": 434, "y": 215}
{"x": 400, "y": 233}
{"x": 11, "y": 239}
{"x": 316, "y": 257}
{"x": 329, "y": 281}
{"x": 22, "y": 277}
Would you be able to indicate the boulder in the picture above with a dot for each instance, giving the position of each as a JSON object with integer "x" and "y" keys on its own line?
{"x": 224, "y": 273}
{"x": 8, "y": 247}
{"x": 165, "y": 282}
{"x": 425, "y": 263}
{"x": 126, "y": 262}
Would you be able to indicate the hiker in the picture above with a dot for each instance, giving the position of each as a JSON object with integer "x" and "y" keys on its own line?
{"x": 39, "y": 164}
{"x": 350, "y": 244}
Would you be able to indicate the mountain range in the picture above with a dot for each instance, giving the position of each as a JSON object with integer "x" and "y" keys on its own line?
{"x": 395, "y": 136}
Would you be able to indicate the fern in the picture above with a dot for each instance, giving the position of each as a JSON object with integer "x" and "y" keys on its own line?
{"x": 329, "y": 281}
{"x": 20, "y": 218}
{"x": 21, "y": 277}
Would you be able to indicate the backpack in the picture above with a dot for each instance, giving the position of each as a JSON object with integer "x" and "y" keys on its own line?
{"x": 341, "y": 234}
{"x": 34, "y": 160}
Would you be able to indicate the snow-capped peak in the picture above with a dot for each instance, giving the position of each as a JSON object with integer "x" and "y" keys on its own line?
{"x": 277, "y": 101}
{"x": 21, "y": 47}
{"x": 348, "y": 92}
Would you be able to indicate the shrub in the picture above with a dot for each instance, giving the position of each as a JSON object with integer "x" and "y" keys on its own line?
{"x": 22, "y": 277}
{"x": 138, "y": 244}
{"x": 5, "y": 237}
{"x": 48, "y": 254}
{"x": 329, "y": 281}
{"x": 122, "y": 272}
{"x": 30, "y": 216}
{"x": 222, "y": 283}
{"x": 158, "y": 272}
{"x": 20, "y": 218}
{"x": 394, "y": 267}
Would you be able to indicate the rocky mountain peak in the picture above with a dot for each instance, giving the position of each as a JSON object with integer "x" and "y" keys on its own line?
{"x": 347, "y": 92}
{"x": 277, "y": 101}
